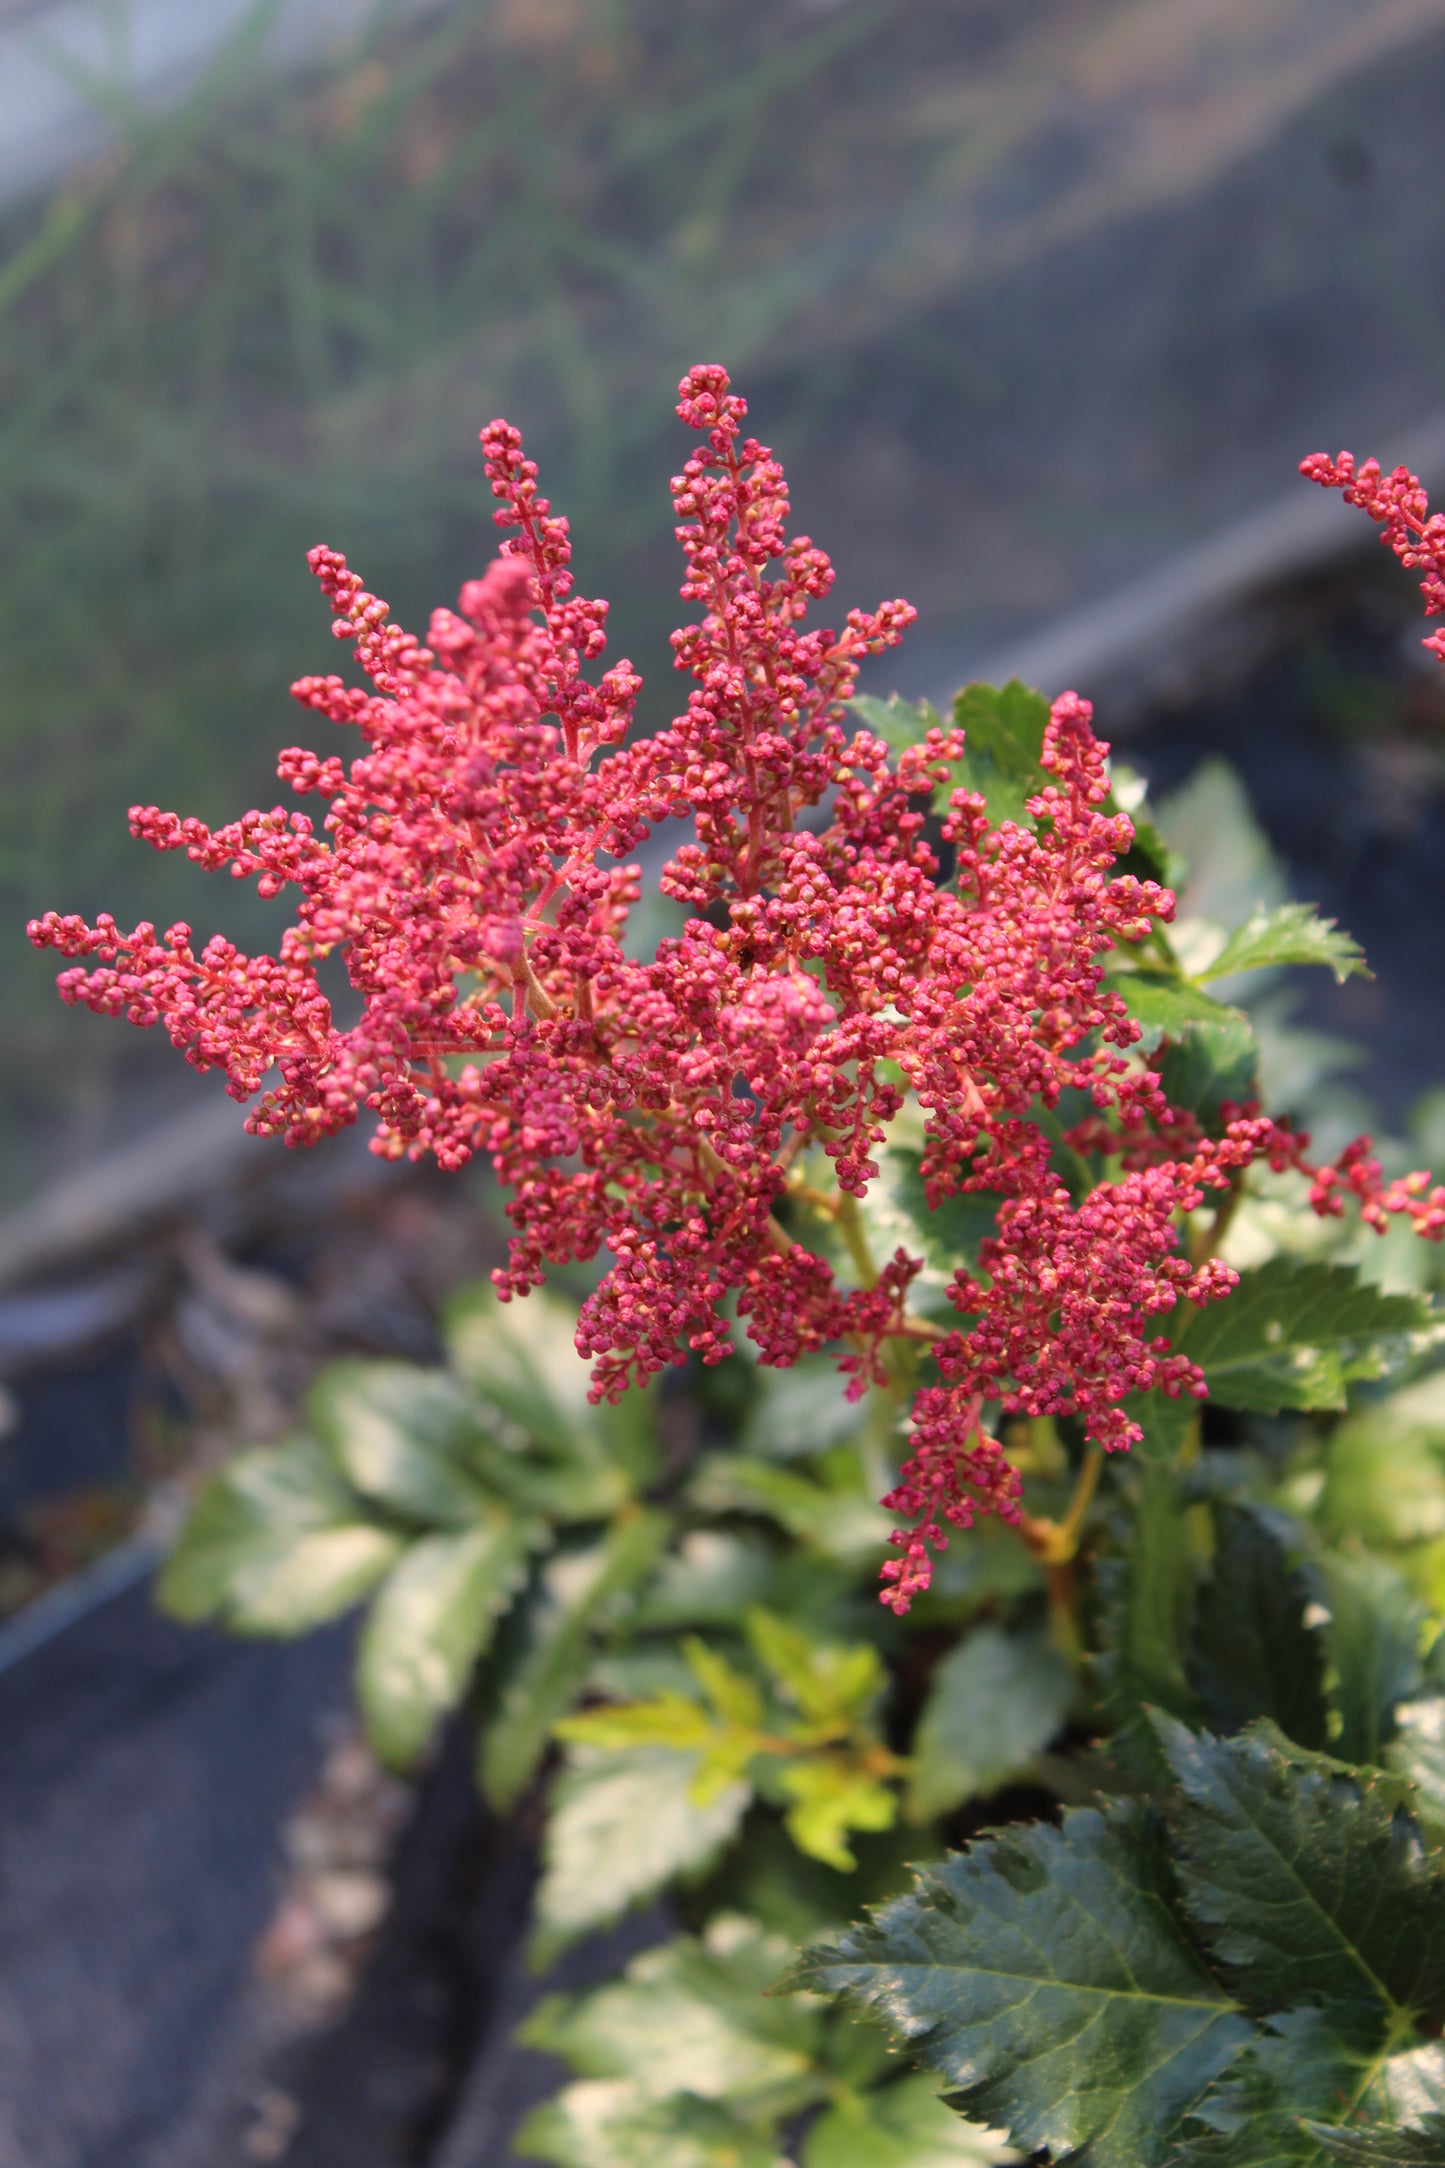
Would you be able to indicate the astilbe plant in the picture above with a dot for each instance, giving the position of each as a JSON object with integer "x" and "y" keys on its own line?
{"x": 842, "y": 954}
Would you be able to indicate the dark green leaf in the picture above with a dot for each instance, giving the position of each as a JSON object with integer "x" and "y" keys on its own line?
{"x": 1146, "y": 1596}
{"x": 623, "y": 1825}
{"x": 612, "y": 2123}
{"x": 1304, "y": 1878}
{"x": 993, "y": 1703}
{"x": 1374, "y": 1635}
{"x": 1377, "y": 2145}
{"x": 401, "y": 1435}
{"x": 949, "y": 1234}
{"x": 275, "y": 1543}
{"x": 1209, "y": 1063}
{"x": 1043, "y": 1974}
{"x": 903, "y": 2125}
{"x": 694, "y": 2016}
{"x": 1294, "y": 1333}
{"x": 1301, "y": 2063}
{"x": 579, "y": 1591}
{"x": 1251, "y": 1652}
{"x": 1288, "y": 934}
{"x": 431, "y": 1622}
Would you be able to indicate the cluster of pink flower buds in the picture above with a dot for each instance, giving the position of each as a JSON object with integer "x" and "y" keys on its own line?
{"x": 472, "y": 871}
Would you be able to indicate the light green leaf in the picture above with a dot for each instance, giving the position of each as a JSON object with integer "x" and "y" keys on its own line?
{"x": 829, "y": 1797}
{"x": 521, "y": 1357}
{"x": 1164, "y": 1008}
{"x": 1417, "y": 1752}
{"x": 1252, "y": 1652}
{"x": 612, "y": 2123}
{"x": 1290, "y": 933}
{"x": 903, "y": 2125}
{"x": 709, "y": 1580}
{"x": 276, "y": 1543}
{"x": 694, "y": 2016}
{"x": 1305, "y": 1881}
{"x": 1004, "y": 728}
{"x": 898, "y": 722}
{"x": 579, "y": 1592}
{"x": 993, "y": 1703}
{"x": 400, "y": 1434}
{"x": 622, "y": 1827}
{"x": 799, "y": 1411}
{"x": 429, "y": 1625}
{"x": 837, "y": 1517}
{"x": 1384, "y": 1482}
{"x": 1295, "y": 1333}
{"x": 1041, "y": 1972}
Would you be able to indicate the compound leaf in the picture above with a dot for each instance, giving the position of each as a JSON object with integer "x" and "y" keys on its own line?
{"x": 1043, "y": 1974}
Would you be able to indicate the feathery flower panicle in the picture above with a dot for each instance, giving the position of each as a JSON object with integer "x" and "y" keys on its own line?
{"x": 472, "y": 869}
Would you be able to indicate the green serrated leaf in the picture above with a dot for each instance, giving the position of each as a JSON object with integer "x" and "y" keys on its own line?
{"x": 624, "y": 1825}
{"x": 838, "y": 1518}
{"x": 276, "y": 1543}
{"x": 1295, "y": 1332}
{"x": 1377, "y": 2145}
{"x": 1417, "y": 1752}
{"x": 400, "y": 1434}
{"x": 1146, "y": 1595}
{"x": 1164, "y": 1008}
{"x": 1374, "y": 1634}
{"x": 432, "y": 1620}
{"x": 1290, "y": 933}
{"x": 1004, "y": 730}
{"x": 903, "y": 2125}
{"x": 1305, "y": 1881}
{"x": 947, "y": 1235}
{"x": 1042, "y": 1973}
{"x": 1301, "y": 2063}
{"x": 898, "y": 722}
{"x": 578, "y": 1592}
{"x": 612, "y": 2123}
{"x": 1209, "y": 1063}
{"x": 993, "y": 1703}
{"x": 1252, "y": 1653}
{"x": 694, "y": 2015}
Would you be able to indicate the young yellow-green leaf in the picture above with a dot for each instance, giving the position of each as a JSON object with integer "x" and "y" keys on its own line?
{"x": 1043, "y": 1974}
{"x": 400, "y": 1434}
{"x": 613, "y": 2123}
{"x": 668, "y": 1719}
{"x": 579, "y": 1591}
{"x": 1305, "y": 1880}
{"x": 827, "y": 1682}
{"x": 432, "y": 1620}
{"x": 1288, "y": 934}
{"x": 1295, "y": 1333}
{"x": 276, "y": 1543}
{"x": 1374, "y": 1634}
{"x": 902, "y": 2125}
{"x": 694, "y": 2015}
{"x": 829, "y": 1797}
{"x": 733, "y": 1695}
{"x": 1253, "y": 1651}
{"x": 623, "y": 1826}
{"x": 993, "y": 1703}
